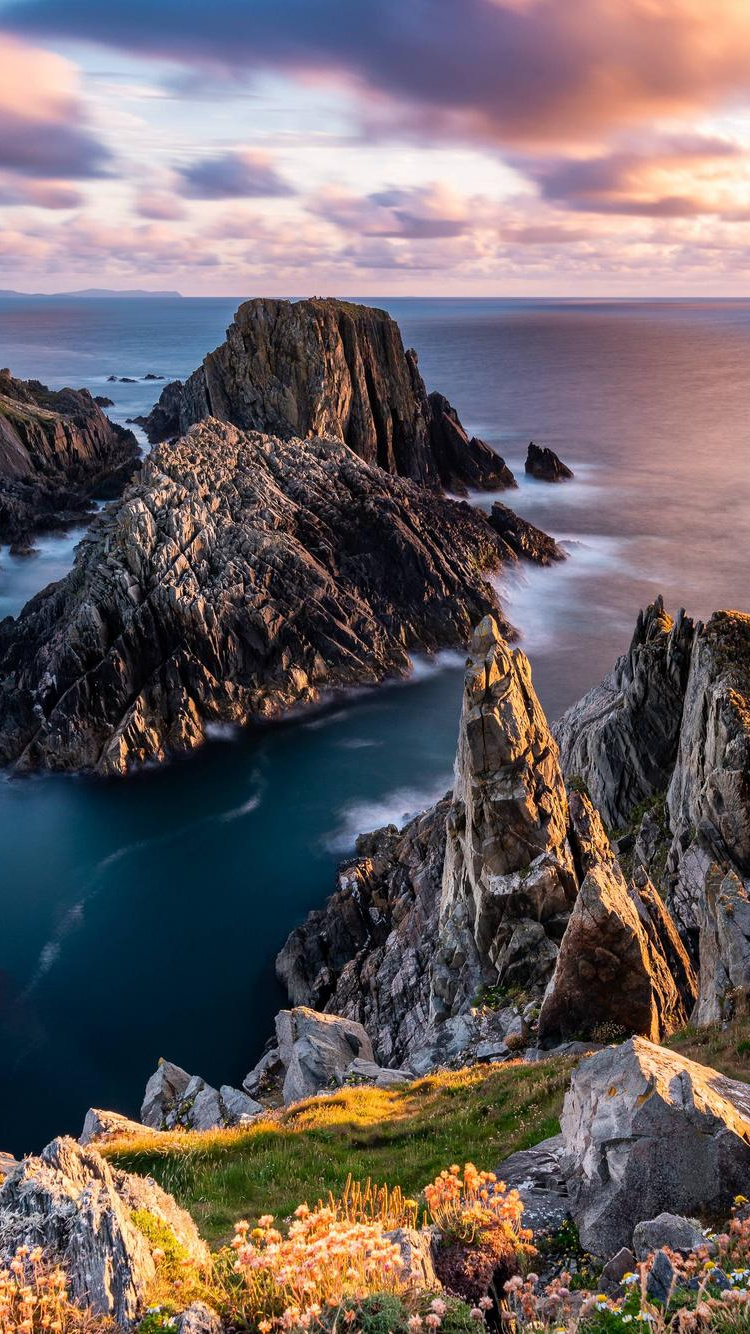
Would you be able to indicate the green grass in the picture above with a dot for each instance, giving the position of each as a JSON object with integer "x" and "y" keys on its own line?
{"x": 402, "y": 1137}
{"x": 726, "y": 1049}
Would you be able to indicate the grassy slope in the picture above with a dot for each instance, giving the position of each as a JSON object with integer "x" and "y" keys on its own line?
{"x": 402, "y": 1137}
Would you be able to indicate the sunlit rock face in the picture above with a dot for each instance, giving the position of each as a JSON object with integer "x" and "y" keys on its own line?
{"x": 509, "y": 880}
{"x": 330, "y": 368}
{"x": 57, "y": 449}
{"x": 646, "y": 1130}
{"x": 239, "y": 574}
{"x": 622, "y": 737}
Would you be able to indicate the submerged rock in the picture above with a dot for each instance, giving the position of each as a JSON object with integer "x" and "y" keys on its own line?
{"x": 240, "y": 574}
{"x": 330, "y": 368}
{"x": 545, "y": 465}
{"x": 57, "y": 450}
{"x": 646, "y": 1130}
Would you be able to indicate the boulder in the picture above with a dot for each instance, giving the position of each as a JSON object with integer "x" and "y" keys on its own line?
{"x": 672, "y": 1231}
{"x": 164, "y": 1089}
{"x": 372, "y": 1073}
{"x": 545, "y": 465}
{"x": 537, "y": 1174}
{"x": 645, "y": 1130}
{"x": 317, "y": 1049}
{"x": 72, "y": 1204}
{"x": 614, "y": 1271}
{"x": 175, "y": 1098}
{"x": 100, "y": 1126}
{"x": 661, "y": 1280}
{"x": 416, "y": 1246}
{"x": 198, "y": 1318}
{"x": 266, "y": 1075}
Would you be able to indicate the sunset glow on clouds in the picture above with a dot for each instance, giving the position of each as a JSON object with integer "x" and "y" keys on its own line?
{"x": 446, "y": 146}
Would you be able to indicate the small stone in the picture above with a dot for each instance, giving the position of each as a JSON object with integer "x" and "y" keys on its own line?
{"x": 615, "y": 1270}
{"x": 661, "y": 1278}
{"x": 199, "y": 1319}
{"x": 672, "y": 1231}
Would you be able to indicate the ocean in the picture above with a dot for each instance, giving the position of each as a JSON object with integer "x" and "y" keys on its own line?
{"x": 141, "y": 918}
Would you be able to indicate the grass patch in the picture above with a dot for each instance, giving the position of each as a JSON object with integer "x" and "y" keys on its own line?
{"x": 400, "y": 1136}
{"x": 725, "y": 1048}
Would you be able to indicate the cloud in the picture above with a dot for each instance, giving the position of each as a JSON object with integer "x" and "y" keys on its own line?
{"x": 243, "y": 174}
{"x": 666, "y": 177}
{"x": 424, "y": 212}
{"x": 159, "y": 205}
{"x": 43, "y": 133}
{"x": 507, "y": 71}
{"x": 40, "y": 194}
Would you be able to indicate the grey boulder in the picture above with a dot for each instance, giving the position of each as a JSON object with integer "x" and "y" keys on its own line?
{"x": 670, "y": 1230}
{"x": 317, "y": 1049}
{"x": 100, "y": 1125}
{"x": 645, "y": 1130}
{"x": 175, "y": 1098}
{"x": 80, "y": 1211}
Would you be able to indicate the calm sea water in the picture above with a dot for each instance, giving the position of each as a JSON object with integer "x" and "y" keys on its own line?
{"x": 141, "y": 919}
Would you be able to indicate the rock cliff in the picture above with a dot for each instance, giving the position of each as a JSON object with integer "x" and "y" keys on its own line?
{"x": 622, "y": 737}
{"x": 671, "y": 725}
{"x": 238, "y": 575}
{"x": 509, "y": 887}
{"x": 57, "y": 450}
{"x": 330, "y": 368}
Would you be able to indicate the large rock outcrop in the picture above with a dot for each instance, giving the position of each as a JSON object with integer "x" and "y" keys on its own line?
{"x": 57, "y": 450}
{"x": 620, "y": 958}
{"x": 84, "y": 1215}
{"x": 709, "y": 812}
{"x": 330, "y": 368}
{"x": 645, "y": 1130}
{"x": 546, "y": 465}
{"x": 622, "y": 737}
{"x": 238, "y": 575}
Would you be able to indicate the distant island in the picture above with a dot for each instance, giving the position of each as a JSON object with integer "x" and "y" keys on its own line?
{"x": 95, "y": 292}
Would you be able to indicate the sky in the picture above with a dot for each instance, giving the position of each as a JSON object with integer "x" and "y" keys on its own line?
{"x": 365, "y": 147}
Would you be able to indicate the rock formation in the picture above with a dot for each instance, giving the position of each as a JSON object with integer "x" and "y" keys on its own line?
{"x": 612, "y": 974}
{"x": 173, "y": 1098}
{"x": 523, "y": 538}
{"x": 622, "y": 737}
{"x": 316, "y": 1050}
{"x": 646, "y": 1130}
{"x": 477, "y": 894}
{"x": 57, "y": 450}
{"x": 545, "y": 465}
{"x": 239, "y": 574}
{"x": 81, "y": 1212}
{"x": 674, "y": 718}
{"x": 330, "y": 368}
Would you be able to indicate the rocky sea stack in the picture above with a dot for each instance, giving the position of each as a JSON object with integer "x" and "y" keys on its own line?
{"x": 57, "y": 451}
{"x": 330, "y": 368}
{"x": 545, "y": 465}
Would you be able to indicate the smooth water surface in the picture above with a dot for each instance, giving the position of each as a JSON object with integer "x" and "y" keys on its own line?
{"x": 141, "y": 918}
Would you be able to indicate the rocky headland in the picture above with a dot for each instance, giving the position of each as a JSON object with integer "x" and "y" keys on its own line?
{"x": 330, "y": 368}
{"x": 57, "y": 451}
{"x": 240, "y": 574}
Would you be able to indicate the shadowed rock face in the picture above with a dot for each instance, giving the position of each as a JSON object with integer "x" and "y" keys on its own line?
{"x": 545, "y": 465}
{"x": 239, "y": 575}
{"x": 622, "y": 737}
{"x": 330, "y": 368}
{"x": 57, "y": 449}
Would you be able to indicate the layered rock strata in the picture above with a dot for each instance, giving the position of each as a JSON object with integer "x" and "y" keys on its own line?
{"x": 57, "y": 450}
{"x": 239, "y": 574}
{"x": 330, "y": 368}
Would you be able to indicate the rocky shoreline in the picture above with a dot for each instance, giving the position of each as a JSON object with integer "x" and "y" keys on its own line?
{"x": 57, "y": 451}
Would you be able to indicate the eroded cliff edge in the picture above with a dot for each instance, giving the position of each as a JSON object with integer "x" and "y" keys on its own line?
{"x": 330, "y": 368}
{"x": 57, "y": 450}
